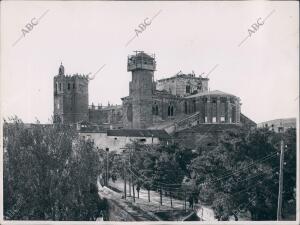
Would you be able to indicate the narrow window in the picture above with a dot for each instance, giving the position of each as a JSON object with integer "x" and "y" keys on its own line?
{"x": 73, "y": 85}
{"x": 172, "y": 111}
{"x": 169, "y": 111}
{"x": 59, "y": 86}
{"x": 156, "y": 110}
{"x": 69, "y": 86}
{"x": 188, "y": 89}
{"x": 185, "y": 108}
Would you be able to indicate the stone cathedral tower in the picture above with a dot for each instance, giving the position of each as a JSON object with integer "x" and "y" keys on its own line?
{"x": 141, "y": 88}
{"x": 70, "y": 97}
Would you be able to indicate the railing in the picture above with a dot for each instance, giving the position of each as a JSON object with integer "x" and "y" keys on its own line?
{"x": 190, "y": 121}
{"x": 132, "y": 66}
{"x": 184, "y": 123}
{"x": 104, "y": 107}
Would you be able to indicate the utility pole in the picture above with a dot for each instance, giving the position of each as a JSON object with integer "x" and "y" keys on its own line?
{"x": 107, "y": 150}
{"x": 184, "y": 200}
{"x": 171, "y": 198}
{"x": 133, "y": 193}
{"x": 279, "y": 206}
{"x": 124, "y": 166}
{"x": 152, "y": 139}
{"x": 160, "y": 195}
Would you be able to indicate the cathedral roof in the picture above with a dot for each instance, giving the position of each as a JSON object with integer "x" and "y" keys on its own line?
{"x": 183, "y": 76}
{"x": 207, "y": 93}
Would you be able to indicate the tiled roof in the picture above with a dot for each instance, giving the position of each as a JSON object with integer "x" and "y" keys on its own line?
{"x": 187, "y": 76}
{"x": 215, "y": 92}
{"x": 211, "y": 128}
{"x": 138, "y": 133}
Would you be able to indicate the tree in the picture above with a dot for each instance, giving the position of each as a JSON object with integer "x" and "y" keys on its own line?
{"x": 52, "y": 170}
{"x": 239, "y": 175}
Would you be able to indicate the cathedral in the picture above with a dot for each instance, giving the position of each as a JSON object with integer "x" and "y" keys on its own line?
{"x": 173, "y": 103}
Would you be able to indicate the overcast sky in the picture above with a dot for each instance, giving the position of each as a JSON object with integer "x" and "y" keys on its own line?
{"x": 186, "y": 36}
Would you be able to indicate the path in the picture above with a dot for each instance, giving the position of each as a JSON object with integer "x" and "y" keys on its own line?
{"x": 203, "y": 212}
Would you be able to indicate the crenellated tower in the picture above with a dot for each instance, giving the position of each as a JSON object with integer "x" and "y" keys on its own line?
{"x": 141, "y": 88}
{"x": 70, "y": 97}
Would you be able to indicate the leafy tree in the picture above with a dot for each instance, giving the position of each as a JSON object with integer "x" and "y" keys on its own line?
{"x": 52, "y": 170}
{"x": 239, "y": 175}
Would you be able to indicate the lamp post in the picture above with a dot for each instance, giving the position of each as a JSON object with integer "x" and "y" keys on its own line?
{"x": 107, "y": 150}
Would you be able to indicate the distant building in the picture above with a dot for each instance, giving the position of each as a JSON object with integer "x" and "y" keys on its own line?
{"x": 279, "y": 125}
{"x": 117, "y": 140}
{"x": 172, "y": 104}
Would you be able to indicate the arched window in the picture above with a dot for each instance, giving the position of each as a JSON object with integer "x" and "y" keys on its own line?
{"x": 59, "y": 86}
{"x": 155, "y": 109}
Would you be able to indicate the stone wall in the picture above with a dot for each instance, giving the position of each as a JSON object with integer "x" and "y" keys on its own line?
{"x": 183, "y": 85}
{"x": 115, "y": 143}
{"x": 117, "y": 213}
{"x": 106, "y": 115}
{"x": 141, "y": 95}
{"x": 205, "y": 135}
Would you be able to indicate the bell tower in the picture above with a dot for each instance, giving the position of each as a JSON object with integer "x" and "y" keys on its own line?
{"x": 141, "y": 88}
{"x": 70, "y": 97}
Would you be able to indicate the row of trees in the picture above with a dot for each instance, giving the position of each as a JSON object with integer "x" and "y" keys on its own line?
{"x": 49, "y": 173}
{"x": 237, "y": 177}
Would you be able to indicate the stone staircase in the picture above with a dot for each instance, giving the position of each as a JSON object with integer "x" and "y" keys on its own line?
{"x": 179, "y": 124}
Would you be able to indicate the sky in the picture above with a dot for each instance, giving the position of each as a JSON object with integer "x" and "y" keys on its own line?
{"x": 184, "y": 36}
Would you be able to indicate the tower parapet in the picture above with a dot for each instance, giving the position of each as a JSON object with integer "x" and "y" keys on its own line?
{"x": 140, "y": 61}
